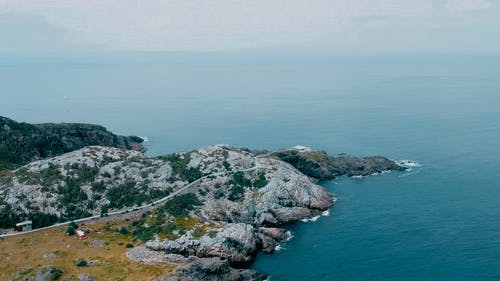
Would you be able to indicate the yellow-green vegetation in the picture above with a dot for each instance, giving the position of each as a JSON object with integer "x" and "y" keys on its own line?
{"x": 72, "y": 256}
{"x": 167, "y": 222}
{"x": 185, "y": 224}
{"x": 316, "y": 156}
{"x": 5, "y": 173}
{"x": 206, "y": 228}
{"x": 157, "y": 222}
{"x": 5, "y": 177}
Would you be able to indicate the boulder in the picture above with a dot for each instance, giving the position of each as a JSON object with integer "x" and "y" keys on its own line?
{"x": 235, "y": 242}
{"x": 212, "y": 269}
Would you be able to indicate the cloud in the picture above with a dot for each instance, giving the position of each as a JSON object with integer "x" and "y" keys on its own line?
{"x": 469, "y": 5}
{"x": 200, "y": 25}
{"x": 26, "y": 33}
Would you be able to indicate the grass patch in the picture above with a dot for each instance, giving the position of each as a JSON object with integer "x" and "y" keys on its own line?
{"x": 27, "y": 251}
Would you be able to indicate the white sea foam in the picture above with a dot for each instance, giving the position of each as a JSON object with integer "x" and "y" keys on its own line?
{"x": 409, "y": 174}
{"x": 280, "y": 246}
{"x": 302, "y": 148}
{"x": 315, "y": 218}
{"x": 145, "y": 139}
{"x": 409, "y": 163}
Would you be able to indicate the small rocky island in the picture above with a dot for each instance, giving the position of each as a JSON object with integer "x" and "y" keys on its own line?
{"x": 207, "y": 211}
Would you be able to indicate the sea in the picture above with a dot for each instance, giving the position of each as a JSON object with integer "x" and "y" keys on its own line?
{"x": 438, "y": 221}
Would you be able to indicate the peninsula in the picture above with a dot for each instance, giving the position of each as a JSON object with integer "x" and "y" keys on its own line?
{"x": 198, "y": 215}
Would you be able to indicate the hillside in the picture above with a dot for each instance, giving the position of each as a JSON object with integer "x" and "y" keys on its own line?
{"x": 21, "y": 143}
{"x": 206, "y": 212}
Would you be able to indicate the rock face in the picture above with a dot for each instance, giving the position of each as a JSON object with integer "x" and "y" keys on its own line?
{"x": 21, "y": 143}
{"x": 319, "y": 165}
{"x": 271, "y": 237}
{"x": 236, "y": 243}
{"x": 212, "y": 269}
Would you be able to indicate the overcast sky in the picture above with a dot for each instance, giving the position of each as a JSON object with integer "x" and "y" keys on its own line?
{"x": 220, "y": 25}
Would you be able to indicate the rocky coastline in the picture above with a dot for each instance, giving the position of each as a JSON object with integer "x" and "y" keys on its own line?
{"x": 221, "y": 205}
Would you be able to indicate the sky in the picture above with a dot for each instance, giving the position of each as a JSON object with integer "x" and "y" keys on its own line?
{"x": 237, "y": 25}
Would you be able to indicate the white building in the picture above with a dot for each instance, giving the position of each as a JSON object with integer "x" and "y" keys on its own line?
{"x": 24, "y": 226}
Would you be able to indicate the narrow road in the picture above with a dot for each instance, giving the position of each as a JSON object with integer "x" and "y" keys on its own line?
{"x": 123, "y": 211}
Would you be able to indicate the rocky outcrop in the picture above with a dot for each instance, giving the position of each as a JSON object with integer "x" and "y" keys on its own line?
{"x": 236, "y": 243}
{"x": 270, "y": 238}
{"x": 144, "y": 255}
{"x": 86, "y": 277}
{"x": 21, "y": 143}
{"x": 319, "y": 165}
{"x": 212, "y": 269}
{"x": 40, "y": 273}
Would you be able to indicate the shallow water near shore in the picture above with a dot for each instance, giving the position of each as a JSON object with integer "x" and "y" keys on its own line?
{"x": 436, "y": 222}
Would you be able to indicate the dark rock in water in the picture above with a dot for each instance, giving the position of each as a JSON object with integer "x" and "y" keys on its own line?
{"x": 270, "y": 238}
{"x": 21, "y": 143}
{"x": 319, "y": 165}
{"x": 212, "y": 269}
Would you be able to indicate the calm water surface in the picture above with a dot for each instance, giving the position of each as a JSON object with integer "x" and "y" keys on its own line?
{"x": 438, "y": 222}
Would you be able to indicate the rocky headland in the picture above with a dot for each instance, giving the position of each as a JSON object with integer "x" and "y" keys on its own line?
{"x": 319, "y": 165}
{"x": 208, "y": 211}
{"x": 21, "y": 143}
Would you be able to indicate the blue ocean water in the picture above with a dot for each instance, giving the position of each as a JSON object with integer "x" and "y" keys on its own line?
{"x": 438, "y": 222}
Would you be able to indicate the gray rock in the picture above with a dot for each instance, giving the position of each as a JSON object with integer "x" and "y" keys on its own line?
{"x": 212, "y": 269}
{"x": 85, "y": 277}
{"x": 98, "y": 243}
{"x": 147, "y": 256}
{"x": 43, "y": 273}
{"x": 292, "y": 214}
{"x": 235, "y": 242}
{"x": 319, "y": 165}
{"x": 270, "y": 238}
{"x": 49, "y": 256}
